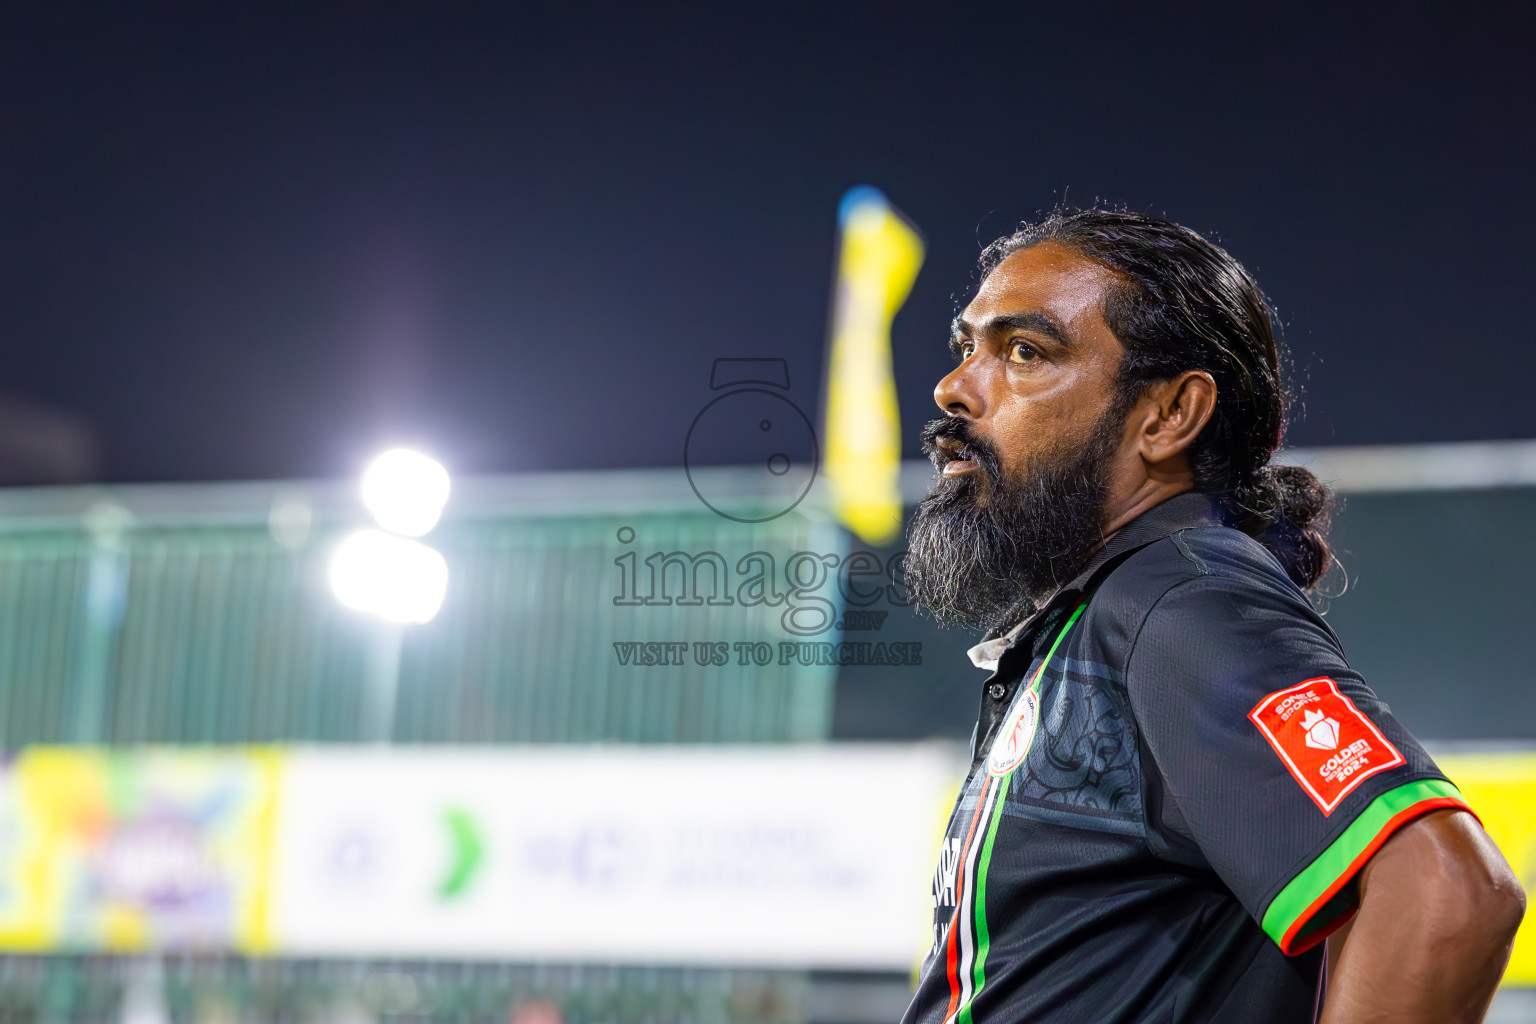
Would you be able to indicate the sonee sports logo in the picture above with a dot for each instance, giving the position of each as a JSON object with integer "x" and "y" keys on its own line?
{"x": 1328, "y": 745}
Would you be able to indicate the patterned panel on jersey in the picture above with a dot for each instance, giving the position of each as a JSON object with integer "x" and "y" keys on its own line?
{"x": 946, "y": 876}
{"x": 1082, "y": 767}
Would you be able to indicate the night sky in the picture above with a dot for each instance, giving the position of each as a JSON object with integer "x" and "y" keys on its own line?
{"x": 248, "y": 242}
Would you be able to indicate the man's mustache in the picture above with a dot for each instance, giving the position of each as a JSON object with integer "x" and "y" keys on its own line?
{"x": 950, "y": 438}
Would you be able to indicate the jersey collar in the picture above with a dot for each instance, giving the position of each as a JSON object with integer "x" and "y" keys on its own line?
{"x": 1181, "y": 512}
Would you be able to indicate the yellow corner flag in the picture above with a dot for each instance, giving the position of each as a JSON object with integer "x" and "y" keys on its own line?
{"x": 878, "y": 260}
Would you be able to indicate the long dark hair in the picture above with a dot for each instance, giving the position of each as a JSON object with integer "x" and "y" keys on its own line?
{"x": 1184, "y": 303}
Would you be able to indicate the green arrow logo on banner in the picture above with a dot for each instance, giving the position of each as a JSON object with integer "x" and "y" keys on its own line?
{"x": 467, "y": 853}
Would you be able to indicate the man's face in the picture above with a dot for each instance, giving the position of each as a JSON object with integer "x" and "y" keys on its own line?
{"x": 1037, "y": 361}
{"x": 1028, "y": 446}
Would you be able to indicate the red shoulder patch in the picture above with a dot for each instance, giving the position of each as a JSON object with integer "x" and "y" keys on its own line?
{"x": 1329, "y": 746}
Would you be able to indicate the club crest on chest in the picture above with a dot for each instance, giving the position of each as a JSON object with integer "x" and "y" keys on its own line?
{"x": 1011, "y": 744}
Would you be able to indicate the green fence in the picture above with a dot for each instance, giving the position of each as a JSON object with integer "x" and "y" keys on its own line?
{"x": 117, "y": 627}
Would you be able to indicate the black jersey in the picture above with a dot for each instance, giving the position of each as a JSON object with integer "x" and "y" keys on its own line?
{"x": 1174, "y": 779}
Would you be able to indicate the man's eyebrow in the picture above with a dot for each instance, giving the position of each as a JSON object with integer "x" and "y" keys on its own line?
{"x": 1035, "y": 321}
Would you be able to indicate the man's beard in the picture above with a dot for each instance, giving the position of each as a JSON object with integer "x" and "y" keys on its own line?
{"x": 985, "y": 548}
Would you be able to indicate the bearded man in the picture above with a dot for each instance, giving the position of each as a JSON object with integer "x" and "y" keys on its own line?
{"x": 1179, "y": 788}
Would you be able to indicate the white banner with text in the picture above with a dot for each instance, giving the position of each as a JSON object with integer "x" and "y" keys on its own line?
{"x": 811, "y": 856}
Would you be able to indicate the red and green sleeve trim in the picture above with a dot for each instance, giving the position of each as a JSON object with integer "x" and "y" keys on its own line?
{"x": 1315, "y": 903}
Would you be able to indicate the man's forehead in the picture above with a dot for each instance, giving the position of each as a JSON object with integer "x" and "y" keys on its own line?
{"x": 1047, "y": 278}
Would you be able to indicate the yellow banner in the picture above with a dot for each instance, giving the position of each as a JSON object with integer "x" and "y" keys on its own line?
{"x": 1501, "y": 788}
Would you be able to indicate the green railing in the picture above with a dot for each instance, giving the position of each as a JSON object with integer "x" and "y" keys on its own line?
{"x": 189, "y": 631}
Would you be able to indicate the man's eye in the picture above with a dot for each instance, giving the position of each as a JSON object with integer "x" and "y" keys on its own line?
{"x": 963, "y": 350}
{"x": 1021, "y": 352}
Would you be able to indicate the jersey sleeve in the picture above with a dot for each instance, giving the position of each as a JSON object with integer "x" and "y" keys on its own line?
{"x": 1273, "y": 756}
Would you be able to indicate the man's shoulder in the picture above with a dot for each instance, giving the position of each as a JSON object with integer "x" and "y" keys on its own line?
{"x": 1218, "y": 560}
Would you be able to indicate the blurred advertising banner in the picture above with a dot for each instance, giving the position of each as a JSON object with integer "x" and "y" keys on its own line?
{"x": 747, "y": 855}
{"x": 808, "y": 856}
{"x": 148, "y": 849}
{"x": 753, "y": 855}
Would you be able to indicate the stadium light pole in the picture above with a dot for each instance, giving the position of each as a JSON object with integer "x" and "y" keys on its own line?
{"x": 384, "y": 572}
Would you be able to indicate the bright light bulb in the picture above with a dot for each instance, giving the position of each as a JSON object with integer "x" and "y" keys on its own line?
{"x": 394, "y": 578}
{"x": 405, "y": 491}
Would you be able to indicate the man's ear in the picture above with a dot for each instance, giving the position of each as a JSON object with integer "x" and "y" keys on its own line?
{"x": 1180, "y": 408}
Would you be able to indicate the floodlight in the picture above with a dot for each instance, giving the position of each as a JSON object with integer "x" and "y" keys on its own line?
{"x": 396, "y": 579}
{"x": 405, "y": 491}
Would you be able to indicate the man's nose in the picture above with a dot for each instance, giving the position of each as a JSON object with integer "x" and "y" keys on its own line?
{"x": 958, "y": 395}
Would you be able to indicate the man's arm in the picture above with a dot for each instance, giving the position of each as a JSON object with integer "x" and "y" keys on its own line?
{"x": 1438, "y": 912}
